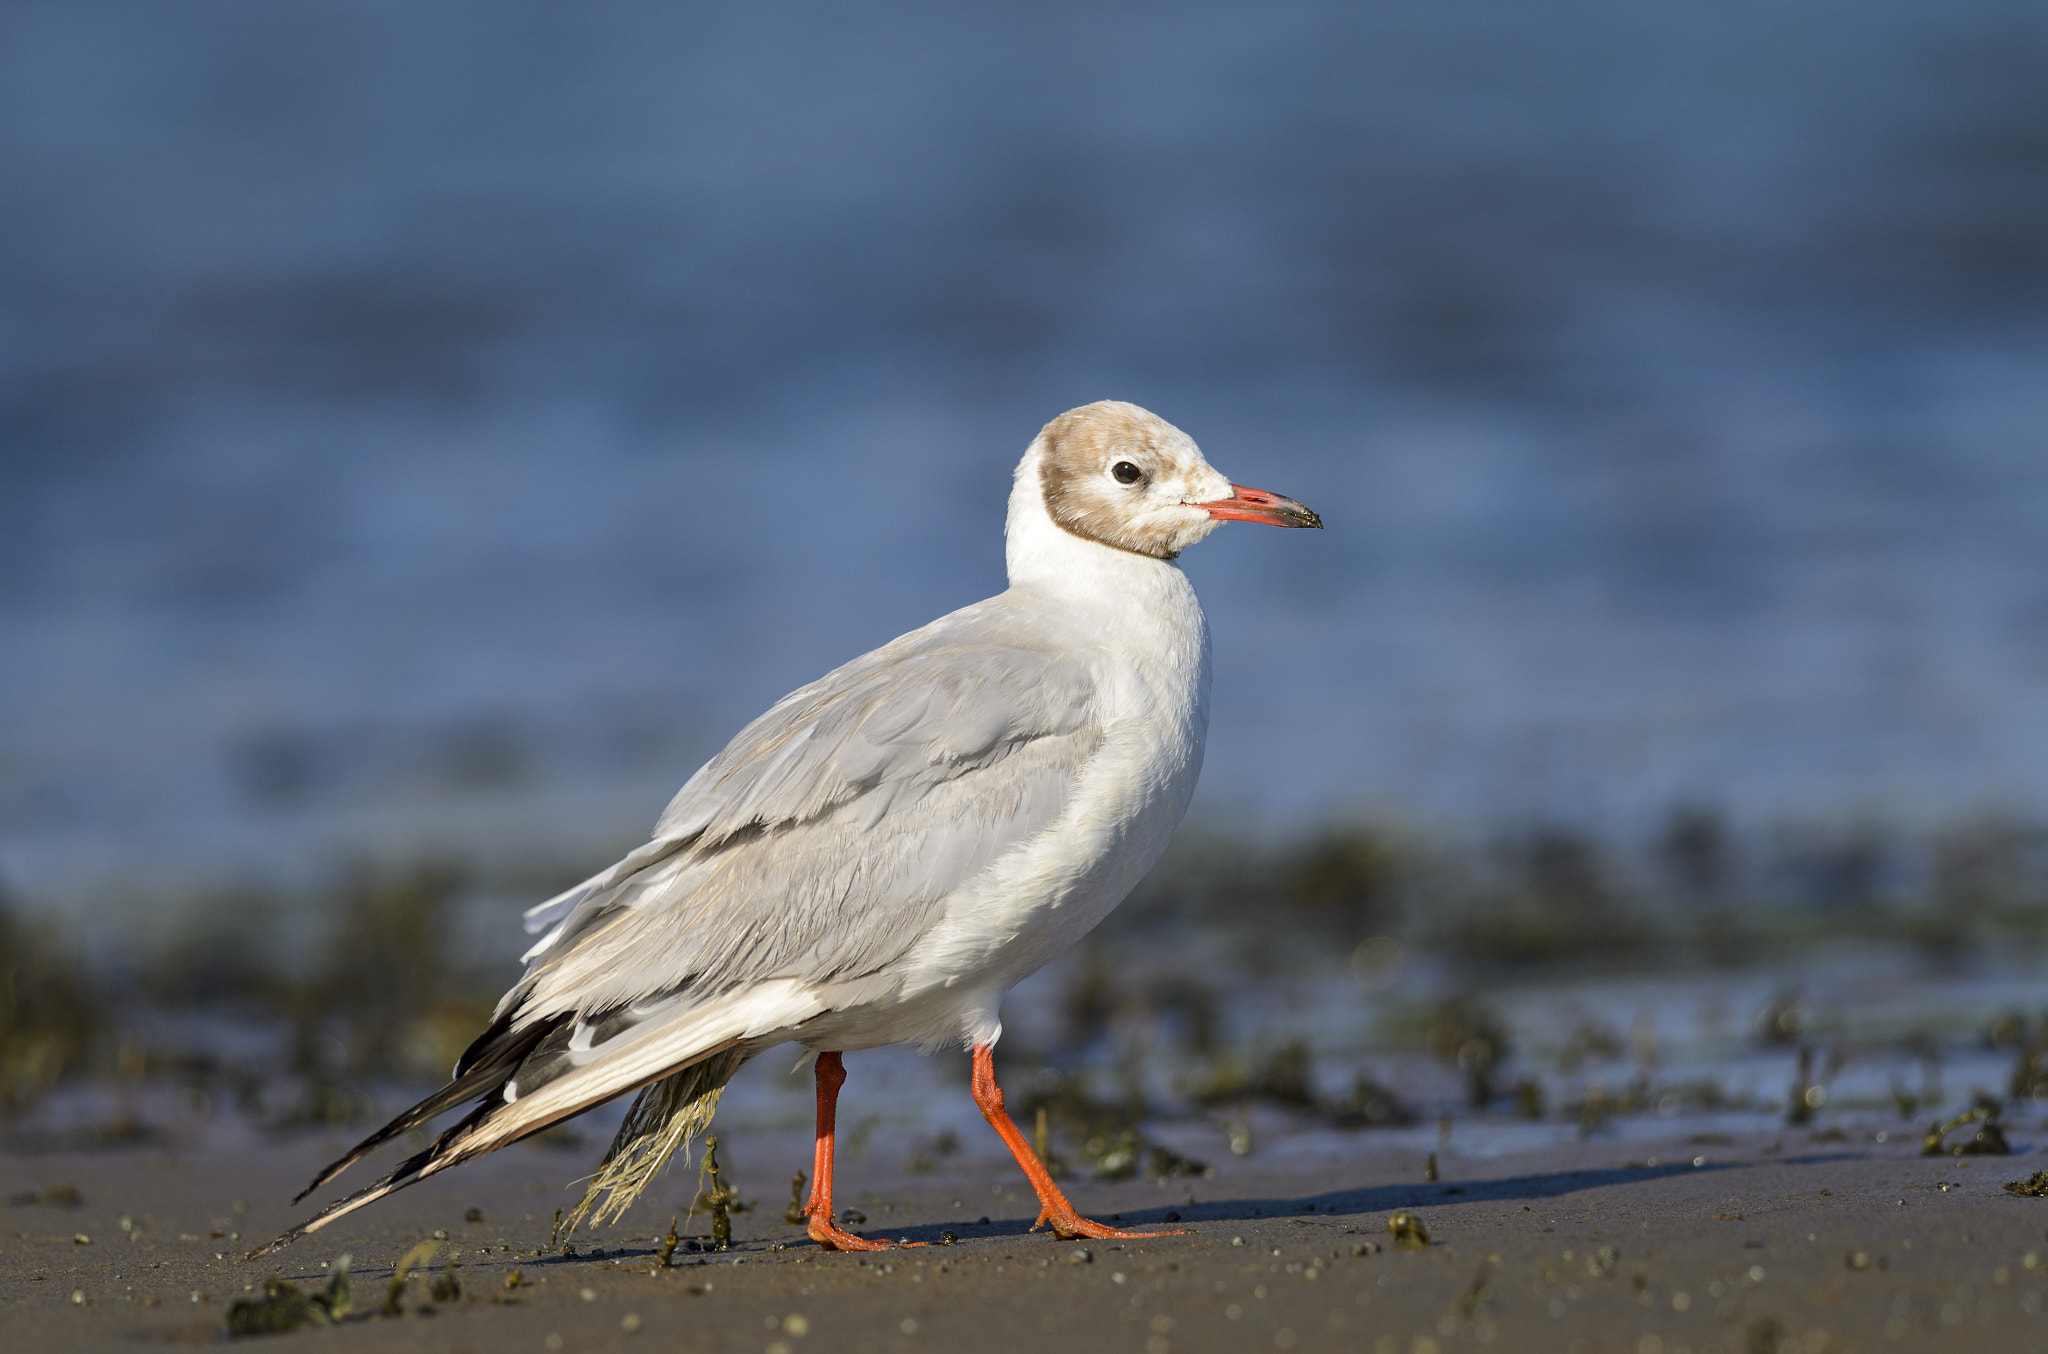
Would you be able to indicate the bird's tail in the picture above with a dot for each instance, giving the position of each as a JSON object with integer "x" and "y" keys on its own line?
{"x": 500, "y": 1121}
{"x": 534, "y": 1075}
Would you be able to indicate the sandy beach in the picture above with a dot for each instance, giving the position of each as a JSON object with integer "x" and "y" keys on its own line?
{"x": 1777, "y": 1243}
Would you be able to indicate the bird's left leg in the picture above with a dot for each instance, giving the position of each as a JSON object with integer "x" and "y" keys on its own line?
{"x": 831, "y": 1076}
{"x": 1053, "y": 1208}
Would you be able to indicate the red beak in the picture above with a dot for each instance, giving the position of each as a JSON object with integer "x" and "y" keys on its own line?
{"x": 1246, "y": 504}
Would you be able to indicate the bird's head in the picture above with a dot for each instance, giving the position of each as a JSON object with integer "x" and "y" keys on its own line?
{"x": 1114, "y": 473}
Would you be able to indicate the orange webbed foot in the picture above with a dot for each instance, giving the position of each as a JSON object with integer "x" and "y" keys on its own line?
{"x": 833, "y": 1238}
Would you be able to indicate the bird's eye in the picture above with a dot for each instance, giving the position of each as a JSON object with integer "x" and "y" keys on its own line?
{"x": 1126, "y": 473}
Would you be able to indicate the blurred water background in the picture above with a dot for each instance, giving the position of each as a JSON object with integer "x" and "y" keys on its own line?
{"x": 427, "y": 433}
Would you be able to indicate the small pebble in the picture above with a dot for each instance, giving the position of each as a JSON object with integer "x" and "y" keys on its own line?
{"x": 1080, "y": 1255}
{"x": 630, "y": 1322}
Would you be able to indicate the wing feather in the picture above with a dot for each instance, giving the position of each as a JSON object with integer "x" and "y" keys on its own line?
{"x": 820, "y": 845}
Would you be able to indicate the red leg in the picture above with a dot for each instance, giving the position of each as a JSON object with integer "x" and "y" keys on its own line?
{"x": 831, "y": 1076}
{"x": 1053, "y": 1207}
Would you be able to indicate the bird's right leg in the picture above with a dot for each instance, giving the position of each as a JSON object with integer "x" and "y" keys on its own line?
{"x": 1053, "y": 1209}
{"x": 831, "y": 1076}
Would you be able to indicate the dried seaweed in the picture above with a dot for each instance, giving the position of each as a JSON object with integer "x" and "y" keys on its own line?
{"x": 666, "y": 1257}
{"x": 417, "y": 1258}
{"x": 794, "y": 1214}
{"x": 447, "y": 1286}
{"x": 2034, "y": 1186}
{"x": 1988, "y": 1140}
{"x": 716, "y": 1197}
{"x": 284, "y": 1306}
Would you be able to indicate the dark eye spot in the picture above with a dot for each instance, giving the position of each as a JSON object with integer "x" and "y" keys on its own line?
{"x": 1126, "y": 473}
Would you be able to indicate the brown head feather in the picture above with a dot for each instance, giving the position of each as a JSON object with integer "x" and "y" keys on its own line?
{"x": 1083, "y": 494}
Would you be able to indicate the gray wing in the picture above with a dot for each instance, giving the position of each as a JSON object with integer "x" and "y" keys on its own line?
{"x": 821, "y": 843}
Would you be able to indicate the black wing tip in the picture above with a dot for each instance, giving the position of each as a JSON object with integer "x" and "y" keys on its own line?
{"x": 273, "y": 1247}
{"x": 470, "y": 1079}
{"x": 335, "y": 1168}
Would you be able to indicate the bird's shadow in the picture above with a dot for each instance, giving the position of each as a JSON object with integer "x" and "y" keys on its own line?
{"x": 1350, "y": 1204}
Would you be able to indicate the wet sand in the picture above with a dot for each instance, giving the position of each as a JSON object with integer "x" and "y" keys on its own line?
{"x": 1778, "y": 1243}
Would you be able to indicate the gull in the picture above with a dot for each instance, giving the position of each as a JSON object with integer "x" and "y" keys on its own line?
{"x": 887, "y": 851}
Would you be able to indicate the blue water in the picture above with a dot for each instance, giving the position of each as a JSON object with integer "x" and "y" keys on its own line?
{"x": 433, "y": 431}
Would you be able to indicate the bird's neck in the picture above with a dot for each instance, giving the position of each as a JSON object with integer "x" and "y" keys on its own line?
{"x": 1138, "y": 596}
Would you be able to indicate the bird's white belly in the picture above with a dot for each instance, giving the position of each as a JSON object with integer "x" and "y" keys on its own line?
{"x": 1033, "y": 904}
